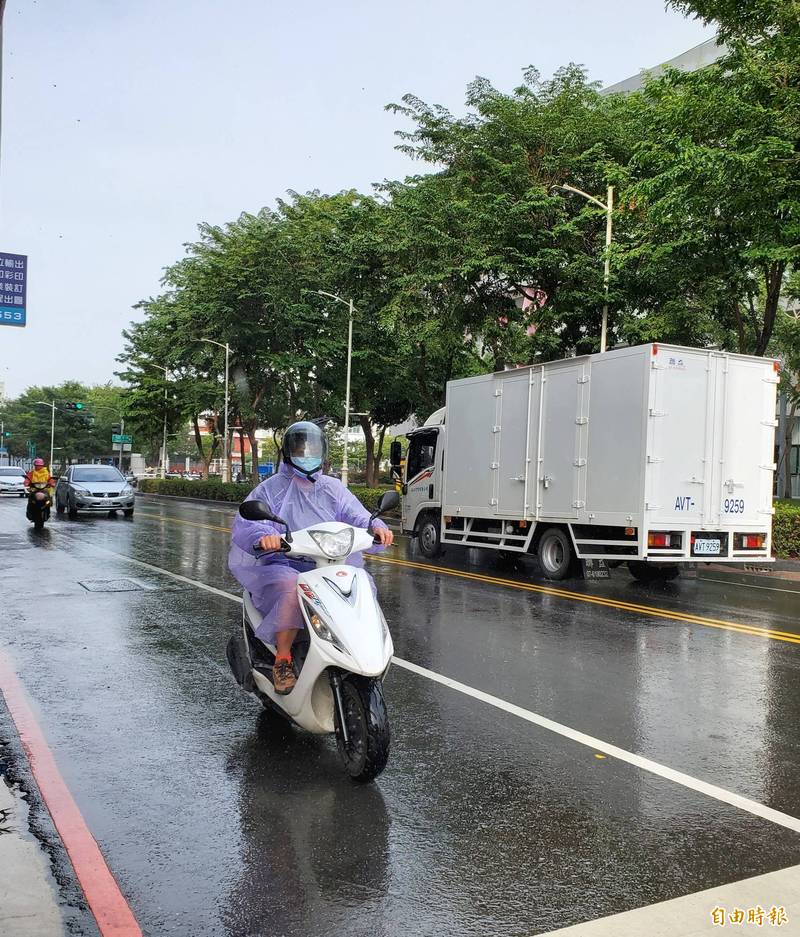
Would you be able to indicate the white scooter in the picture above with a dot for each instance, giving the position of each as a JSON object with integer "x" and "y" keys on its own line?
{"x": 343, "y": 653}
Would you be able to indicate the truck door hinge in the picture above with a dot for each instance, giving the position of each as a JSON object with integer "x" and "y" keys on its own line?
{"x": 654, "y": 459}
{"x": 494, "y": 466}
{"x": 583, "y": 380}
{"x": 769, "y": 422}
{"x": 498, "y": 392}
{"x": 579, "y": 504}
{"x": 582, "y": 420}
{"x": 546, "y": 480}
{"x": 495, "y": 429}
{"x": 657, "y": 412}
{"x": 652, "y": 507}
{"x": 769, "y": 468}
{"x": 492, "y": 501}
{"x": 579, "y": 463}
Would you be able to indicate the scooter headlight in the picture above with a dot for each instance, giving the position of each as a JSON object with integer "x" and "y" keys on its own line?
{"x": 334, "y": 545}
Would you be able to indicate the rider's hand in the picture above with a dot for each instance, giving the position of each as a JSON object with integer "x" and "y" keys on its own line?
{"x": 270, "y": 542}
{"x": 384, "y": 536}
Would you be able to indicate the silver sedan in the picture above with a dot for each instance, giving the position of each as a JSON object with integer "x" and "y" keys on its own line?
{"x": 12, "y": 481}
{"x": 96, "y": 489}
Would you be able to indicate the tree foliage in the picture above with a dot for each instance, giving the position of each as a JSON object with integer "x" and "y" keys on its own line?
{"x": 479, "y": 263}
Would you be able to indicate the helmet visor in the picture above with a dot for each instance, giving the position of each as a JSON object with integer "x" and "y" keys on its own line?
{"x": 305, "y": 446}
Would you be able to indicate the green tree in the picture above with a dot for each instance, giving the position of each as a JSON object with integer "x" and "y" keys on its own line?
{"x": 474, "y": 235}
{"x": 79, "y": 434}
{"x": 717, "y": 181}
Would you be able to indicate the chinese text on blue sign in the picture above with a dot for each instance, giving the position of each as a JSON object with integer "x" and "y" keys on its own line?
{"x": 13, "y": 288}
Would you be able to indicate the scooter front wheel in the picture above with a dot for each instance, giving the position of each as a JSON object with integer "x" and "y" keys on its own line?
{"x": 366, "y": 750}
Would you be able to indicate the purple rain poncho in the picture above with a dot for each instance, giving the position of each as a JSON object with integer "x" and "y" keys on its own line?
{"x": 272, "y": 580}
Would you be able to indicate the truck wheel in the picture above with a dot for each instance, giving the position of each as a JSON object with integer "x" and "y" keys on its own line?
{"x": 429, "y": 537}
{"x": 555, "y": 553}
{"x": 650, "y": 572}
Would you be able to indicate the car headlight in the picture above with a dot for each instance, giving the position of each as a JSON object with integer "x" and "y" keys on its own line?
{"x": 83, "y": 492}
{"x": 127, "y": 490}
{"x": 334, "y": 545}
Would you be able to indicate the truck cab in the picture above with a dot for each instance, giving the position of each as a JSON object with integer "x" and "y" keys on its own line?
{"x": 422, "y": 483}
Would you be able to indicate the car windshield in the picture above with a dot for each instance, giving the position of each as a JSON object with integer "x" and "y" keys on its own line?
{"x": 12, "y": 471}
{"x": 99, "y": 474}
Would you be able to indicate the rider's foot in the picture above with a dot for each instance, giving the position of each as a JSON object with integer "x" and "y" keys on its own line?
{"x": 283, "y": 677}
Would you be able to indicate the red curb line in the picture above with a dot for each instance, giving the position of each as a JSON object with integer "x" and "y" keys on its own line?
{"x": 107, "y": 903}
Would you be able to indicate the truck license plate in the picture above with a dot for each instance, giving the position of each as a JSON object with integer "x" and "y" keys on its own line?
{"x": 707, "y": 547}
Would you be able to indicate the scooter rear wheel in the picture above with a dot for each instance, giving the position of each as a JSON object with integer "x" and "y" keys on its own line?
{"x": 368, "y": 737}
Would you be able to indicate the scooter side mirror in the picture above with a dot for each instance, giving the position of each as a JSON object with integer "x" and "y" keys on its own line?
{"x": 258, "y": 511}
{"x": 389, "y": 501}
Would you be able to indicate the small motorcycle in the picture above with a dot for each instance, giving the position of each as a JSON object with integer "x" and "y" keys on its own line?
{"x": 342, "y": 654}
{"x": 39, "y": 502}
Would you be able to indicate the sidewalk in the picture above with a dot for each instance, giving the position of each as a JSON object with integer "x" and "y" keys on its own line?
{"x": 776, "y": 895}
{"x": 28, "y": 905}
{"x": 782, "y": 574}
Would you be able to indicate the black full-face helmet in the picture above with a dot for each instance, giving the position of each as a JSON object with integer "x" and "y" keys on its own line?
{"x": 305, "y": 447}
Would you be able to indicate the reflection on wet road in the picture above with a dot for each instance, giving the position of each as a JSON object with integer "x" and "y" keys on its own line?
{"x": 217, "y": 820}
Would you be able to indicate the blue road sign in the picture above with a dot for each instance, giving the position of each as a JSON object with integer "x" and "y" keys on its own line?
{"x": 13, "y": 288}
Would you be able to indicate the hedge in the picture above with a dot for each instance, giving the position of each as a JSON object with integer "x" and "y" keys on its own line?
{"x": 786, "y": 529}
{"x": 185, "y": 488}
{"x": 234, "y": 491}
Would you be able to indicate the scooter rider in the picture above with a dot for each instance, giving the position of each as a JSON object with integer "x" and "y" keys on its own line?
{"x": 299, "y": 494}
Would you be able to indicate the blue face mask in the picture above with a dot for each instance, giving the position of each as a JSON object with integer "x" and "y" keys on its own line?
{"x": 306, "y": 463}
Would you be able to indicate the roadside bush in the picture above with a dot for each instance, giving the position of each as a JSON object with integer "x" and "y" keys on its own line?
{"x": 369, "y": 497}
{"x": 185, "y": 488}
{"x": 786, "y": 529}
{"x": 234, "y": 492}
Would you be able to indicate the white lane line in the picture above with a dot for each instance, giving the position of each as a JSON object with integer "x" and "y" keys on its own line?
{"x": 748, "y": 585}
{"x": 598, "y": 745}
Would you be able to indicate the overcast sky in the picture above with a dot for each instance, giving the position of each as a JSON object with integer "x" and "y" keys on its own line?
{"x": 128, "y": 122}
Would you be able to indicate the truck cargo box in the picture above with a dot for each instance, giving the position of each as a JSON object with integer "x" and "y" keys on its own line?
{"x": 653, "y": 437}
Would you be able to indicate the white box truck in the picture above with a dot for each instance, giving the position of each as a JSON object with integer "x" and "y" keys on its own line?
{"x": 653, "y": 455}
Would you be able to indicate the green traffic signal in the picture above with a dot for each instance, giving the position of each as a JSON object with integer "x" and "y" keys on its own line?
{"x": 7, "y": 434}
{"x": 75, "y": 405}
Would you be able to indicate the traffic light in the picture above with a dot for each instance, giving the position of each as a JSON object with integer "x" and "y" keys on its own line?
{"x": 7, "y": 434}
{"x": 74, "y": 405}
{"x": 116, "y": 429}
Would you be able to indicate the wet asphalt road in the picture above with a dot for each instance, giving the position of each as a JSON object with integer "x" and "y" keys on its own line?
{"x": 215, "y": 821}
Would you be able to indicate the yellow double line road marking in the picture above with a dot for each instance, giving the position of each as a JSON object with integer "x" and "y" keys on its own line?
{"x": 791, "y": 637}
{"x": 684, "y": 617}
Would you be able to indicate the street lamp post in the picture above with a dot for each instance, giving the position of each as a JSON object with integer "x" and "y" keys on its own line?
{"x": 608, "y": 208}
{"x": 351, "y": 308}
{"x": 164, "y": 434}
{"x": 52, "y": 405}
{"x": 226, "y": 465}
